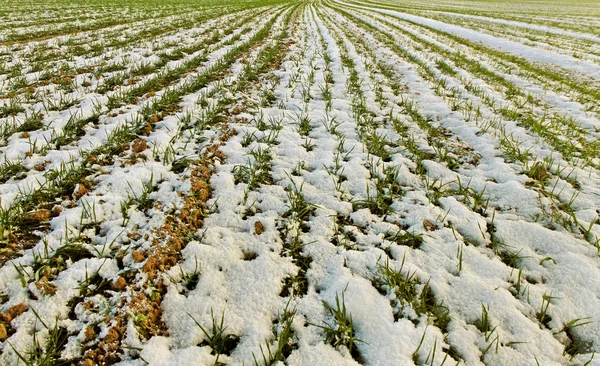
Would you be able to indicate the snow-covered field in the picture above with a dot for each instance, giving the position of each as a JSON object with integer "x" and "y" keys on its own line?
{"x": 267, "y": 182}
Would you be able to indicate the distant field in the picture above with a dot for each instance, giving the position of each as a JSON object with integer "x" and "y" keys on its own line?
{"x": 299, "y": 183}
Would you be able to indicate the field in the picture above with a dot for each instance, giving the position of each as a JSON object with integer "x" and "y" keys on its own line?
{"x": 270, "y": 182}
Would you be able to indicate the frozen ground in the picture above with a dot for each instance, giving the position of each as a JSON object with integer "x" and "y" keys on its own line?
{"x": 299, "y": 183}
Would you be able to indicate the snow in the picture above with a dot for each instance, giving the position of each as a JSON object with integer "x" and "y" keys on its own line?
{"x": 525, "y": 25}
{"x": 480, "y": 232}
{"x": 530, "y": 53}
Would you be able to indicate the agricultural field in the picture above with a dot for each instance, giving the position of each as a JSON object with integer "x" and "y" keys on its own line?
{"x": 273, "y": 182}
